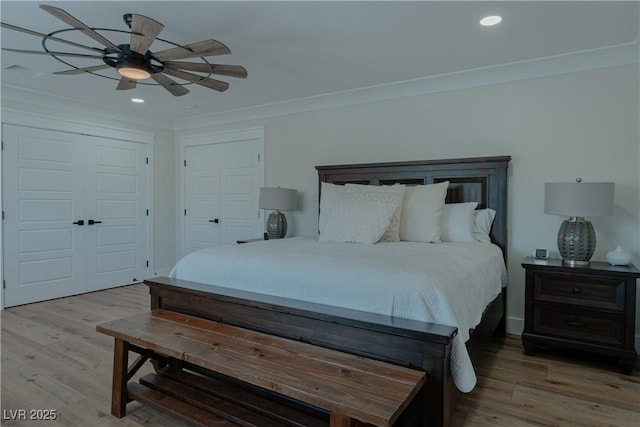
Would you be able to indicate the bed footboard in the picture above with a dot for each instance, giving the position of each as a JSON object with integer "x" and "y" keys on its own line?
{"x": 418, "y": 345}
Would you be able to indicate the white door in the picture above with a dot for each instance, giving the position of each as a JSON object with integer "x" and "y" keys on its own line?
{"x": 202, "y": 197}
{"x": 53, "y": 183}
{"x": 116, "y": 214}
{"x": 221, "y": 185}
{"x": 43, "y": 195}
{"x": 241, "y": 179}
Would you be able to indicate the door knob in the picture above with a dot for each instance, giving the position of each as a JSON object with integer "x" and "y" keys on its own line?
{"x": 79, "y": 222}
{"x": 216, "y": 220}
{"x": 91, "y": 222}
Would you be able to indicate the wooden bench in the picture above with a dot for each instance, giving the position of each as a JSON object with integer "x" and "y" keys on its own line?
{"x": 348, "y": 387}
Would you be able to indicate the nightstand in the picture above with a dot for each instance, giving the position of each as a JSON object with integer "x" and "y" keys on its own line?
{"x": 589, "y": 308}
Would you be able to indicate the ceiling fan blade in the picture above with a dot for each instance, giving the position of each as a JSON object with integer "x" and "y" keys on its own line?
{"x": 37, "y": 52}
{"x": 203, "y": 48}
{"x": 126, "y": 84}
{"x": 83, "y": 70}
{"x": 56, "y": 39}
{"x": 143, "y": 33}
{"x": 199, "y": 80}
{"x": 173, "y": 87}
{"x": 223, "y": 70}
{"x": 65, "y": 17}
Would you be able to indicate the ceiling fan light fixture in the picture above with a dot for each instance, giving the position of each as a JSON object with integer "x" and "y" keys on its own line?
{"x": 133, "y": 69}
{"x": 134, "y": 61}
{"x": 134, "y": 73}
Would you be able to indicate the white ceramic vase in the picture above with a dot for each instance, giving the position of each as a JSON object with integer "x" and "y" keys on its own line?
{"x": 619, "y": 257}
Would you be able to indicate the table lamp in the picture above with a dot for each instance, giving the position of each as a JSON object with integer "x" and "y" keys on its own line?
{"x": 278, "y": 199}
{"x": 576, "y": 200}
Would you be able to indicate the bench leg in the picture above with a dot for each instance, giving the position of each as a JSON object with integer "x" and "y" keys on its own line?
{"x": 119, "y": 384}
{"x": 339, "y": 420}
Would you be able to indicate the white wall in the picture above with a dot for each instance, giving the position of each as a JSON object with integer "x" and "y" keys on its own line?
{"x": 583, "y": 124}
{"x": 164, "y": 178}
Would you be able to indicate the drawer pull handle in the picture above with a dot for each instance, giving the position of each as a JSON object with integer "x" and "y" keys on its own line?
{"x": 577, "y": 291}
{"x": 577, "y": 324}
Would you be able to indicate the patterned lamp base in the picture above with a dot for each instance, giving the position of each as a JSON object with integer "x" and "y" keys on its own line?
{"x": 576, "y": 241}
{"x": 276, "y": 225}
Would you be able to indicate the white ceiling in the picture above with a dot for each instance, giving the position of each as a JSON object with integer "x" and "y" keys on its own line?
{"x": 300, "y": 50}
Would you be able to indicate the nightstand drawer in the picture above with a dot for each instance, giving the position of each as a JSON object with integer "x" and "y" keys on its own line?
{"x": 596, "y": 292}
{"x": 579, "y": 325}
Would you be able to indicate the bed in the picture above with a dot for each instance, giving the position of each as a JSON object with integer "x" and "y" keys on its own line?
{"x": 363, "y": 328}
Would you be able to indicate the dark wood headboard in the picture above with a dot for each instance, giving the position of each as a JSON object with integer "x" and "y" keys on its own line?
{"x": 478, "y": 179}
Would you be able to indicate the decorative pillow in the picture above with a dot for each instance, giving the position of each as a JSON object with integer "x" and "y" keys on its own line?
{"x": 482, "y": 225}
{"x": 421, "y": 212}
{"x": 330, "y": 194}
{"x": 358, "y": 221}
{"x": 457, "y": 222}
{"x": 381, "y": 193}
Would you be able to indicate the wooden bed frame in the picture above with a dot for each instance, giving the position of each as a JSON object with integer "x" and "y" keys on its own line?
{"x": 419, "y": 345}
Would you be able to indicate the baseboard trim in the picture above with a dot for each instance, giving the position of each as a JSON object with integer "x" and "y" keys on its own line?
{"x": 515, "y": 325}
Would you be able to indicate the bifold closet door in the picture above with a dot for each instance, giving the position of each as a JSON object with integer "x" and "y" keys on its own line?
{"x": 54, "y": 185}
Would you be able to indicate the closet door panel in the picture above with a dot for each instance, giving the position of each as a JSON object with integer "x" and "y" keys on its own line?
{"x": 202, "y": 197}
{"x": 43, "y": 195}
{"x": 116, "y": 204}
{"x": 241, "y": 180}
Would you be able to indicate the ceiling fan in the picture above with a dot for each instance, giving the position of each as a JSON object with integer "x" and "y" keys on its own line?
{"x": 134, "y": 61}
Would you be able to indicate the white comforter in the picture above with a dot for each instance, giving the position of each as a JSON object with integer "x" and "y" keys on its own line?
{"x": 447, "y": 283}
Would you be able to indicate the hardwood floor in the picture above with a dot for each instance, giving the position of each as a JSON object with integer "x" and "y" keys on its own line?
{"x": 52, "y": 359}
{"x": 552, "y": 388}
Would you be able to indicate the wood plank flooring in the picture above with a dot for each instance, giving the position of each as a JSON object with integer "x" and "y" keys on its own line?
{"x": 52, "y": 359}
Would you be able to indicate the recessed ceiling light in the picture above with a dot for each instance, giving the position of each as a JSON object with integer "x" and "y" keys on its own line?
{"x": 488, "y": 21}
{"x": 137, "y": 100}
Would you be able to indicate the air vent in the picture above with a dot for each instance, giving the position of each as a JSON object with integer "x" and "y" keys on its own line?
{"x": 28, "y": 72}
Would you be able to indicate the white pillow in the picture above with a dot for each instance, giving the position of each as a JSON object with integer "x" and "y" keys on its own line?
{"x": 457, "y": 222}
{"x": 381, "y": 193}
{"x": 358, "y": 221}
{"x": 482, "y": 224}
{"x": 330, "y": 194}
{"x": 421, "y": 212}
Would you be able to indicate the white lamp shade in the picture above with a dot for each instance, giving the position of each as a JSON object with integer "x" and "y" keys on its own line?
{"x": 276, "y": 198}
{"x": 578, "y": 199}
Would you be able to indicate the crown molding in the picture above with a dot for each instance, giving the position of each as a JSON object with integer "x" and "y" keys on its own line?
{"x": 77, "y": 108}
{"x": 234, "y": 135}
{"x": 45, "y": 121}
{"x": 606, "y": 57}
